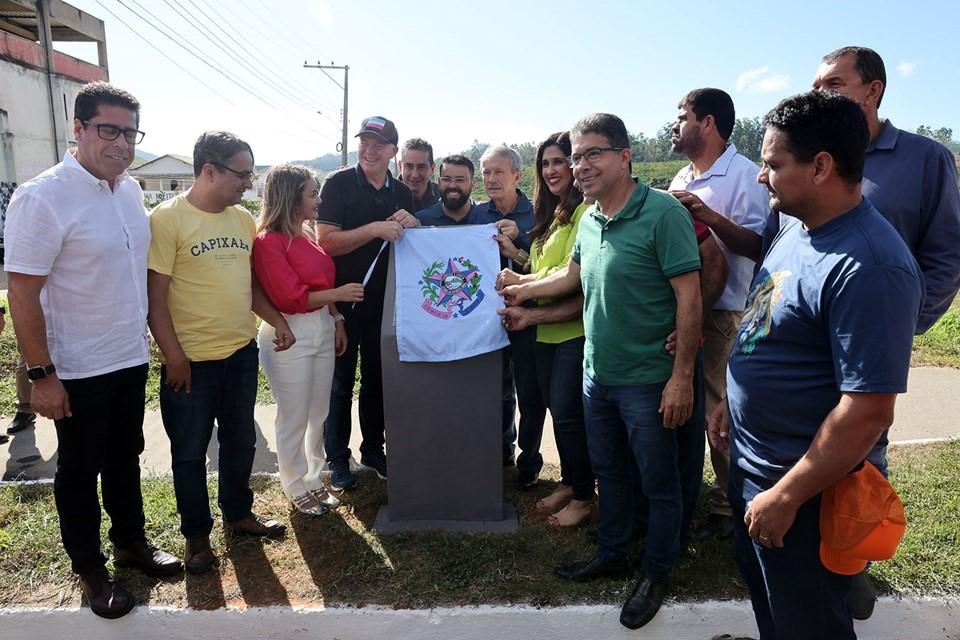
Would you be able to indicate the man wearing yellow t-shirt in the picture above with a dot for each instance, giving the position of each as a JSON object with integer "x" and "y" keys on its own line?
{"x": 202, "y": 296}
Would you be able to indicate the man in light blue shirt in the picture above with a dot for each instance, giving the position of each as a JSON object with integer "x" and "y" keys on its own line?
{"x": 719, "y": 187}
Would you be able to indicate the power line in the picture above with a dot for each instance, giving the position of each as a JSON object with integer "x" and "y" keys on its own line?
{"x": 161, "y": 52}
{"x": 259, "y": 52}
{"x": 187, "y": 71}
{"x": 284, "y": 38}
{"x": 188, "y": 50}
{"x": 227, "y": 49}
{"x": 199, "y": 56}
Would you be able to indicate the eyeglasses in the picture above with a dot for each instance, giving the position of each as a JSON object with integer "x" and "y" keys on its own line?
{"x": 460, "y": 181}
{"x": 243, "y": 175}
{"x": 112, "y": 132}
{"x": 591, "y": 156}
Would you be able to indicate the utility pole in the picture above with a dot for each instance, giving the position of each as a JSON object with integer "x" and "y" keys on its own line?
{"x": 344, "y": 86}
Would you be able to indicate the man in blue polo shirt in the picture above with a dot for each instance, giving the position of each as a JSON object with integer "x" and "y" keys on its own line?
{"x": 456, "y": 185}
{"x": 910, "y": 179}
{"x": 501, "y": 170}
{"x": 822, "y": 353}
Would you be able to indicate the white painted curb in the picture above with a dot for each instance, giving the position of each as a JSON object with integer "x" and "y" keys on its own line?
{"x": 894, "y": 619}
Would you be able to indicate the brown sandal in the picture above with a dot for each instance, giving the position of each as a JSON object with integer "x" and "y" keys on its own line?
{"x": 573, "y": 515}
{"x": 556, "y": 500}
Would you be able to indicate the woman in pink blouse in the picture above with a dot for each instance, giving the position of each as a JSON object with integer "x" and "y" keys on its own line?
{"x": 298, "y": 277}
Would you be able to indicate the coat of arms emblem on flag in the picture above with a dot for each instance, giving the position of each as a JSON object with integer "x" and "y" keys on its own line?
{"x": 453, "y": 291}
{"x": 446, "y": 305}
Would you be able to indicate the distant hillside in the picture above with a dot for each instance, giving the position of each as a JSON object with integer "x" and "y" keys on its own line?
{"x": 329, "y": 162}
{"x": 142, "y": 157}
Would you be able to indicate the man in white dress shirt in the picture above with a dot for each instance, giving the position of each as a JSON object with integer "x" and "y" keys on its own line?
{"x": 76, "y": 241}
{"x": 719, "y": 187}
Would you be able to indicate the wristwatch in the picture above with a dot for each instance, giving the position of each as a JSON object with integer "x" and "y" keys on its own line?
{"x": 338, "y": 317}
{"x": 39, "y": 373}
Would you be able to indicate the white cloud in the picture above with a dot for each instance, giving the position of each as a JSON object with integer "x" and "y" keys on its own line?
{"x": 760, "y": 80}
{"x": 907, "y": 69}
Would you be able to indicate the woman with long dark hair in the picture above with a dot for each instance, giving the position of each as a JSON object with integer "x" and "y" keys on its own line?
{"x": 558, "y": 206}
{"x": 298, "y": 277}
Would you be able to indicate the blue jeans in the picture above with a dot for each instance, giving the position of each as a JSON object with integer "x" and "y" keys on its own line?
{"x": 560, "y": 372}
{"x": 794, "y": 596}
{"x": 625, "y": 428}
{"x": 362, "y": 325}
{"x": 225, "y": 391}
{"x": 691, "y": 439}
{"x": 520, "y": 370}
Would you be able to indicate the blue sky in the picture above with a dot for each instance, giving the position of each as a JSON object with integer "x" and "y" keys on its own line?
{"x": 500, "y": 71}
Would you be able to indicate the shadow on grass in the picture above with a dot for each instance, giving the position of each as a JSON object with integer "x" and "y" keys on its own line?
{"x": 256, "y": 578}
{"x": 25, "y": 461}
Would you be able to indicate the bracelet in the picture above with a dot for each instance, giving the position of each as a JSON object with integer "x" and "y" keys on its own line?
{"x": 523, "y": 258}
{"x": 338, "y": 317}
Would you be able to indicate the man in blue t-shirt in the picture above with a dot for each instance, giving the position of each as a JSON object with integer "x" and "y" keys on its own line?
{"x": 822, "y": 353}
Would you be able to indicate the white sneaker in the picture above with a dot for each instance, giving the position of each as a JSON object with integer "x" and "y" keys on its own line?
{"x": 309, "y": 505}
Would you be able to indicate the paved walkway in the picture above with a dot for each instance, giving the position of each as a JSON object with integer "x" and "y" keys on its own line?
{"x": 930, "y": 409}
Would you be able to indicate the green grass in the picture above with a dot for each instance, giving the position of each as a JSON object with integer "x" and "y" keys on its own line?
{"x": 8, "y": 365}
{"x": 940, "y": 345}
{"x": 658, "y": 175}
{"x": 337, "y": 559}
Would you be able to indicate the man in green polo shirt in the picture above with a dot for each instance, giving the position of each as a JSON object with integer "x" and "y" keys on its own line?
{"x": 637, "y": 262}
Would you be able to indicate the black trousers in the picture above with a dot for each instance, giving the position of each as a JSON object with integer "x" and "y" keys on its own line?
{"x": 363, "y": 338}
{"x": 103, "y": 437}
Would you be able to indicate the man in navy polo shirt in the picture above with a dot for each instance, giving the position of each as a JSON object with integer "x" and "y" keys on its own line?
{"x": 456, "y": 185}
{"x": 822, "y": 353}
{"x": 501, "y": 168}
{"x": 910, "y": 179}
{"x": 362, "y": 209}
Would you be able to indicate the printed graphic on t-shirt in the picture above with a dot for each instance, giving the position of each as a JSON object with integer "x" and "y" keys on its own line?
{"x": 225, "y": 242}
{"x": 758, "y": 316}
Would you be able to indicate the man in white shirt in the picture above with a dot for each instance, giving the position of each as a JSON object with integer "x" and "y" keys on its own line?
{"x": 719, "y": 187}
{"x": 76, "y": 241}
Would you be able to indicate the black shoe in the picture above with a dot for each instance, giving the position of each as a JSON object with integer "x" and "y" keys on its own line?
{"x": 862, "y": 596}
{"x": 376, "y": 464}
{"x": 198, "y": 557}
{"x": 152, "y": 561}
{"x": 594, "y": 568}
{"x": 21, "y": 421}
{"x": 643, "y": 602}
{"x": 254, "y": 525}
{"x": 592, "y": 535}
{"x": 106, "y": 598}
{"x": 717, "y": 526}
{"x": 526, "y": 482}
{"x": 341, "y": 478}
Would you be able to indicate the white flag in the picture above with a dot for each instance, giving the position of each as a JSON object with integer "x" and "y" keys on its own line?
{"x": 447, "y": 301}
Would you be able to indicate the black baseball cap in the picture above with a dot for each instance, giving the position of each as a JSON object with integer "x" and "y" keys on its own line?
{"x": 380, "y": 127}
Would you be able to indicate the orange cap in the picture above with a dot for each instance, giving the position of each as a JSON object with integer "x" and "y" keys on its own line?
{"x": 861, "y": 519}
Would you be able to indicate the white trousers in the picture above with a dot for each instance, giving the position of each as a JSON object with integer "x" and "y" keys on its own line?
{"x": 301, "y": 378}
